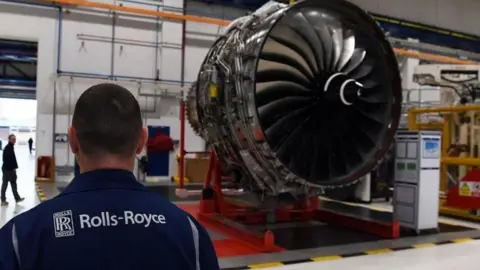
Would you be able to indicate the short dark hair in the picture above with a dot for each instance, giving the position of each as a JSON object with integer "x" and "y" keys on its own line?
{"x": 107, "y": 120}
{"x": 10, "y": 136}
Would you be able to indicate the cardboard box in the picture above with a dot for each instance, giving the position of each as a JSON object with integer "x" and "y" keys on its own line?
{"x": 196, "y": 168}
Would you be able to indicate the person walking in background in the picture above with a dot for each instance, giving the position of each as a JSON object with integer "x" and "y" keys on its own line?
{"x": 9, "y": 170}
{"x": 30, "y": 145}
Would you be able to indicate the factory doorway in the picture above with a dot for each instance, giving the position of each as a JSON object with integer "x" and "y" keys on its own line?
{"x": 18, "y": 113}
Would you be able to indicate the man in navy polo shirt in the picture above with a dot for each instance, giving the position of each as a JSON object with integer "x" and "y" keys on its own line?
{"x": 105, "y": 219}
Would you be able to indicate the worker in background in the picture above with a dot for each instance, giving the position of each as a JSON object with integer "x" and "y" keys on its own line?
{"x": 30, "y": 145}
{"x": 143, "y": 164}
{"x": 9, "y": 170}
{"x": 105, "y": 218}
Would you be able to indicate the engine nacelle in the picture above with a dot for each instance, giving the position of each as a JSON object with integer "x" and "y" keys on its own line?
{"x": 298, "y": 97}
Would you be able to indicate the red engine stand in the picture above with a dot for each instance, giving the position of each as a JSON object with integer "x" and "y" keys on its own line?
{"x": 466, "y": 193}
{"x": 232, "y": 219}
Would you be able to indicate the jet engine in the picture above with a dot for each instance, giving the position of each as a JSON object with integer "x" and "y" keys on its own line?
{"x": 296, "y": 99}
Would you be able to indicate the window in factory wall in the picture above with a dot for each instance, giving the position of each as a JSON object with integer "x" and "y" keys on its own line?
{"x": 18, "y": 117}
{"x": 18, "y": 109}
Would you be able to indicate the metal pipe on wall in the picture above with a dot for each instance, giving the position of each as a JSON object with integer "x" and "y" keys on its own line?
{"x": 61, "y": 72}
{"x": 106, "y": 77}
{"x": 433, "y": 57}
{"x": 112, "y": 55}
{"x": 118, "y": 77}
{"x": 59, "y": 40}
{"x": 162, "y": 6}
{"x": 59, "y": 37}
{"x": 181, "y": 160}
{"x": 193, "y": 18}
{"x": 200, "y": 19}
{"x": 29, "y": 3}
{"x": 135, "y": 10}
{"x": 70, "y": 86}
{"x": 184, "y": 45}
{"x": 54, "y": 117}
{"x": 157, "y": 30}
{"x": 128, "y": 41}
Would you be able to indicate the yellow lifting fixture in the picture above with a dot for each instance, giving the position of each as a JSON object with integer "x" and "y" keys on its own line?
{"x": 460, "y": 126}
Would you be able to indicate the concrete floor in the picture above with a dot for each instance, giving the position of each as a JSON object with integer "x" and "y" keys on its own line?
{"x": 368, "y": 256}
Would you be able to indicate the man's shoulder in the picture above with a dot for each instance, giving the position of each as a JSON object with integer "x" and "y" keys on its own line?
{"x": 160, "y": 201}
{"x": 32, "y": 214}
{"x": 23, "y": 220}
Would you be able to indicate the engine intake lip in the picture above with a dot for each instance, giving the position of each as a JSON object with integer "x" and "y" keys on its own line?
{"x": 370, "y": 118}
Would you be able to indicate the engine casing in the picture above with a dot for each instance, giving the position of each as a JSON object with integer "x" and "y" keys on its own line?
{"x": 295, "y": 98}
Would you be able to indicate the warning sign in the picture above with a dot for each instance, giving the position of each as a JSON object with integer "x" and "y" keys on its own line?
{"x": 469, "y": 189}
{"x": 465, "y": 189}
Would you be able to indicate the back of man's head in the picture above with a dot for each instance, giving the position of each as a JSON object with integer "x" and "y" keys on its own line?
{"x": 106, "y": 123}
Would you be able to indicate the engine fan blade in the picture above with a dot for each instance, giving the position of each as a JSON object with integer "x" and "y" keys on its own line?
{"x": 300, "y": 24}
{"x": 322, "y": 31}
{"x": 277, "y": 50}
{"x": 271, "y": 91}
{"x": 348, "y": 49}
{"x": 288, "y": 37}
{"x": 287, "y": 60}
{"x": 275, "y": 110}
{"x": 355, "y": 60}
{"x": 271, "y": 71}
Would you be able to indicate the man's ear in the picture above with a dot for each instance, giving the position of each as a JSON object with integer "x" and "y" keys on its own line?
{"x": 142, "y": 140}
{"x": 73, "y": 140}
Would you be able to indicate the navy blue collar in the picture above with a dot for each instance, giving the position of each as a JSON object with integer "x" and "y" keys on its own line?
{"x": 104, "y": 179}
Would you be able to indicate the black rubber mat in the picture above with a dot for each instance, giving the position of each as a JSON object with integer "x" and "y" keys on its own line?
{"x": 387, "y": 217}
{"x": 327, "y": 236}
{"x": 318, "y": 236}
{"x": 361, "y": 212}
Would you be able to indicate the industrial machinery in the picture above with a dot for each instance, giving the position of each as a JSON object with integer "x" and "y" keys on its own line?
{"x": 458, "y": 117}
{"x": 294, "y": 100}
{"x": 300, "y": 98}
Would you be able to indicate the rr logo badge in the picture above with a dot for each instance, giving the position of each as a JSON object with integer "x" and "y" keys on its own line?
{"x": 63, "y": 224}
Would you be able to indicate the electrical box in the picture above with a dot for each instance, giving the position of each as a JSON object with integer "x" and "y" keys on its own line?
{"x": 417, "y": 179}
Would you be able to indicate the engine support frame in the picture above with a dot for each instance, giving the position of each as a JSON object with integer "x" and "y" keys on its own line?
{"x": 233, "y": 220}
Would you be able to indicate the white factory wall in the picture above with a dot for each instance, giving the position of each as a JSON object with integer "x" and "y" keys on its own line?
{"x": 86, "y": 48}
{"x": 459, "y": 15}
